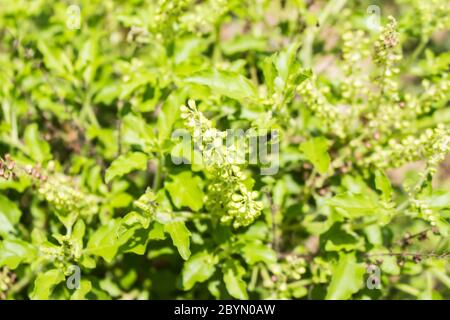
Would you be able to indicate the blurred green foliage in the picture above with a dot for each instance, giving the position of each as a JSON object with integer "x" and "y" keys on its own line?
{"x": 358, "y": 208}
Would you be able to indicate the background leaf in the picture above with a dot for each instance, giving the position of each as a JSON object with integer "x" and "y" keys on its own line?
{"x": 347, "y": 278}
{"x": 185, "y": 189}
{"x": 227, "y": 83}
{"x": 180, "y": 236}
{"x": 316, "y": 151}
{"x": 199, "y": 268}
{"x": 125, "y": 164}
{"x": 232, "y": 277}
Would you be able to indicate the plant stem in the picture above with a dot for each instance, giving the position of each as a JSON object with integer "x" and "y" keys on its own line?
{"x": 419, "y": 49}
{"x": 158, "y": 173}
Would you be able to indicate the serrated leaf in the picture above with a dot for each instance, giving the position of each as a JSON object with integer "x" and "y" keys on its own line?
{"x": 168, "y": 115}
{"x": 180, "y": 237}
{"x": 135, "y": 131}
{"x": 77, "y": 237}
{"x": 285, "y": 61}
{"x": 257, "y": 252}
{"x": 14, "y": 252}
{"x": 136, "y": 240}
{"x": 383, "y": 184}
{"x": 199, "y": 268}
{"x": 244, "y": 43}
{"x": 157, "y": 232}
{"x": 85, "y": 288}
{"x": 347, "y": 278}
{"x": 9, "y": 215}
{"x": 125, "y": 164}
{"x": 44, "y": 284}
{"x": 337, "y": 239}
{"x": 355, "y": 205}
{"x": 55, "y": 59}
{"x": 390, "y": 265}
{"x": 316, "y": 151}
{"x": 132, "y": 240}
{"x": 104, "y": 241}
{"x": 185, "y": 190}
{"x": 227, "y": 83}
{"x": 232, "y": 277}
{"x": 37, "y": 148}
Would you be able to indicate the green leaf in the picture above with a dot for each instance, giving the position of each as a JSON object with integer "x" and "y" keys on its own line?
{"x": 85, "y": 288}
{"x": 125, "y": 164}
{"x": 37, "y": 148}
{"x": 337, "y": 239}
{"x": 383, "y": 184}
{"x": 104, "y": 242}
{"x": 5, "y": 225}
{"x": 316, "y": 151}
{"x": 232, "y": 277}
{"x": 355, "y": 205}
{"x": 374, "y": 235}
{"x": 44, "y": 284}
{"x": 443, "y": 227}
{"x": 180, "y": 237}
{"x": 227, "y": 83}
{"x": 9, "y": 215}
{"x": 137, "y": 240}
{"x": 138, "y": 133}
{"x": 55, "y": 59}
{"x": 390, "y": 265}
{"x": 244, "y": 43}
{"x": 347, "y": 278}
{"x": 284, "y": 61}
{"x": 77, "y": 238}
{"x": 168, "y": 115}
{"x": 14, "y": 252}
{"x": 257, "y": 252}
{"x": 157, "y": 232}
{"x": 186, "y": 190}
{"x": 134, "y": 218}
{"x": 199, "y": 268}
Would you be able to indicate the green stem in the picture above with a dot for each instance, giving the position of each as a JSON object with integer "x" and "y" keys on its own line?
{"x": 158, "y": 173}
{"x": 88, "y": 111}
{"x": 419, "y": 49}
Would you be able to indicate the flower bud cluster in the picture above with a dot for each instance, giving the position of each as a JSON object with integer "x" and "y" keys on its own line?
{"x": 167, "y": 16}
{"x": 355, "y": 50}
{"x": 386, "y": 48}
{"x": 435, "y": 95}
{"x": 61, "y": 256}
{"x": 433, "y": 145}
{"x": 7, "y": 168}
{"x": 59, "y": 191}
{"x": 228, "y": 194}
{"x": 243, "y": 207}
{"x": 424, "y": 210}
{"x": 284, "y": 277}
{"x": 147, "y": 203}
{"x": 432, "y": 15}
{"x": 386, "y": 55}
{"x": 7, "y": 280}
{"x": 203, "y": 16}
{"x": 332, "y": 116}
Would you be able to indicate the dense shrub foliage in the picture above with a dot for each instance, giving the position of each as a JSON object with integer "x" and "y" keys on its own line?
{"x": 118, "y": 179}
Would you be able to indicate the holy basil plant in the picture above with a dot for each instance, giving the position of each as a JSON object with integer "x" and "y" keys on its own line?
{"x": 224, "y": 149}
